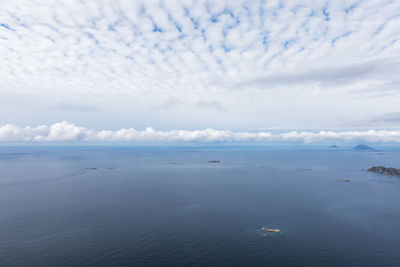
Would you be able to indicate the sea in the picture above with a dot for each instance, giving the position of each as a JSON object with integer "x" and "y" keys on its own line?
{"x": 197, "y": 206}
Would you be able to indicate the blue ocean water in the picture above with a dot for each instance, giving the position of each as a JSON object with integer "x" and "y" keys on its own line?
{"x": 168, "y": 206}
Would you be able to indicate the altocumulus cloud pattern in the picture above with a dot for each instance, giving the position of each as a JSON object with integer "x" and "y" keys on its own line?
{"x": 65, "y": 131}
{"x": 199, "y": 64}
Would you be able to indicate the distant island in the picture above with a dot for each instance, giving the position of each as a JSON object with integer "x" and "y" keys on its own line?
{"x": 363, "y": 148}
{"x": 384, "y": 170}
{"x": 333, "y": 146}
{"x": 214, "y": 161}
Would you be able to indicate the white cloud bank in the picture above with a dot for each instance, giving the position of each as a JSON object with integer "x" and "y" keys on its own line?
{"x": 69, "y": 132}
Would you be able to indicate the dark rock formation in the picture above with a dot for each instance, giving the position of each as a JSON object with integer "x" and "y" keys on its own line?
{"x": 363, "y": 148}
{"x": 214, "y": 161}
{"x": 347, "y": 180}
{"x": 384, "y": 170}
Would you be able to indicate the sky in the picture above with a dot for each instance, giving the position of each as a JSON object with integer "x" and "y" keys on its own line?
{"x": 199, "y": 70}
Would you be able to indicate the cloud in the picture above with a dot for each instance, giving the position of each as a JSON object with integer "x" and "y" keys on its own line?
{"x": 213, "y": 105}
{"x": 74, "y": 107}
{"x": 68, "y": 132}
{"x": 128, "y": 57}
{"x": 170, "y": 103}
{"x": 391, "y": 120}
{"x": 383, "y": 70}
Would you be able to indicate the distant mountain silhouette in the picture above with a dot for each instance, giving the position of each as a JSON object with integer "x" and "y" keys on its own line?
{"x": 363, "y": 148}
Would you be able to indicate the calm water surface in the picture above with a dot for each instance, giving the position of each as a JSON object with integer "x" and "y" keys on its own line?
{"x": 167, "y": 206}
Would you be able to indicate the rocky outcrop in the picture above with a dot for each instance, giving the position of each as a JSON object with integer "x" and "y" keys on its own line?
{"x": 267, "y": 229}
{"x": 384, "y": 170}
{"x": 214, "y": 161}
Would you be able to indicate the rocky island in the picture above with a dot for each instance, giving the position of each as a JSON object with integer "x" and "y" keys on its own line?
{"x": 384, "y": 170}
{"x": 266, "y": 230}
{"x": 214, "y": 161}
